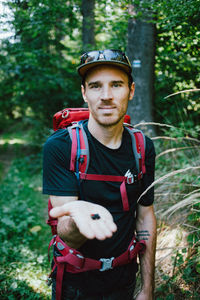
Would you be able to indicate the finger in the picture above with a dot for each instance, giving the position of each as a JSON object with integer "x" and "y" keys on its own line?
{"x": 84, "y": 226}
{"x": 108, "y": 219}
{"x": 59, "y": 211}
{"x": 111, "y": 225}
{"x": 100, "y": 229}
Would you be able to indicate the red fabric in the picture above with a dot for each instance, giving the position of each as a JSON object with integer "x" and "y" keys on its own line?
{"x": 83, "y": 158}
{"x": 124, "y": 196}
{"x": 97, "y": 177}
{"x": 67, "y": 116}
{"x": 59, "y": 280}
{"x": 140, "y": 149}
{"x": 76, "y": 263}
{"x": 73, "y": 261}
{"x": 73, "y": 150}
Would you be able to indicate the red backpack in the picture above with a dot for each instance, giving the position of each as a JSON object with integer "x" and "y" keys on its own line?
{"x": 71, "y": 119}
{"x": 71, "y": 259}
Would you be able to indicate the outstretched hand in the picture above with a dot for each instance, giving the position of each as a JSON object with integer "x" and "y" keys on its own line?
{"x": 81, "y": 212}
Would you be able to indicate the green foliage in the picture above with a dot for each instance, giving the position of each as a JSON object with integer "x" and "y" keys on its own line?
{"x": 38, "y": 70}
{"x": 111, "y": 22}
{"x": 38, "y": 74}
{"x": 177, "y": 62}
{"x": 23, "y": 250}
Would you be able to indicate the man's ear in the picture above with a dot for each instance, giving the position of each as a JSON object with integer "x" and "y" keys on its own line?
{"x": 132, "y": 91}
{"x": 83, "y": 93}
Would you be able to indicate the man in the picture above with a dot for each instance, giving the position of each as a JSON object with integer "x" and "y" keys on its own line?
{"x": 95, "y": 222}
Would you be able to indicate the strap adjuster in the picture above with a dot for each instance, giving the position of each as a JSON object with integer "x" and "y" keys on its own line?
{"x": 132, "y": 247}
{"x": 131, "y": 179}
{"x": 106, "y": 264}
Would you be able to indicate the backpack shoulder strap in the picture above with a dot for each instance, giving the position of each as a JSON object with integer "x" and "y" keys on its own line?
{"x": 139, "y": 145}
{"x": 79, "y": 149}
{"x": 79, "y": 161}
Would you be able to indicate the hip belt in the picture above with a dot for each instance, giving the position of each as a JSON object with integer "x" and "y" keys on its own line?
{"x": 71, "y": 260}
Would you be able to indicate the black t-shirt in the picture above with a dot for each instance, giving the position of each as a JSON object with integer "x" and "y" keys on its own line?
{"x": 60, "y": 181}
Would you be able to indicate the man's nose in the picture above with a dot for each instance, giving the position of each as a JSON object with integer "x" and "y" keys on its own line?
{"x": 106, "y": 93}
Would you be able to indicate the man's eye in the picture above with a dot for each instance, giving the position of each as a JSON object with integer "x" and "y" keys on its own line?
{"x": 116, "y": 84}
{"x": 95, "y": 86}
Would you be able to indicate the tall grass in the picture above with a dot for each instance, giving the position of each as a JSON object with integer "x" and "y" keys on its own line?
{"x": 177, "y": 204}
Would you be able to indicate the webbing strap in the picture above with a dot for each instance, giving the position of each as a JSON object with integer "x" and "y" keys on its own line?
{"x": 73, "y": 151}
{"x": 113, "y": 178}
{"x": 101, "y": 177}
{"x": 138, "y": 145}
{"x": 84, "y": 149}
{"x": 77, "y": 154}
{"x": 59, "y": 281}
{"x": 52, "y": 222}
{"x": 80, "y": 160}
{"x": 124, "y": 196}
{"x": 73, "y": 261}
{"x": 141, "y": 141}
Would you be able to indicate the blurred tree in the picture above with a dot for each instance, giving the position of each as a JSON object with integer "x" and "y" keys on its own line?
{"x": 88, "y": 32}
{"x": 141, "y": 51}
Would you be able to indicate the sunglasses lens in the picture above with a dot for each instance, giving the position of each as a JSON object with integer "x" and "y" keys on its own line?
{"x": 116, "y": 55}
{"x": 113, "y": 55}
{"x": 89, "y": 57}
{"x": 107, "y": 55}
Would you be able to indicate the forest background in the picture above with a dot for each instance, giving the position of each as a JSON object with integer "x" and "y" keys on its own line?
{"x": 39, "y": 54}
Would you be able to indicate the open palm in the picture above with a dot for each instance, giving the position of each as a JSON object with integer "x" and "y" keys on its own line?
{"x": 81, "y": 212}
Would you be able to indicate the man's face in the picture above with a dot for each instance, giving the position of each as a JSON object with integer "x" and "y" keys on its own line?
{"x": 107, "y": 93}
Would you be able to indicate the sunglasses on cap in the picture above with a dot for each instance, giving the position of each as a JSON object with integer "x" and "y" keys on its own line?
{"x": 113, "y": 57}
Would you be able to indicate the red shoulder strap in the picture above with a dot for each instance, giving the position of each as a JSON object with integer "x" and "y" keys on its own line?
{"x": 138, "y": 144}
{"x": 79, "y": 148}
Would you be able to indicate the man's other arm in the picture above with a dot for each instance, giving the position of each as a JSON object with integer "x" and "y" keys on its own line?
{"x": 146, "y": 229}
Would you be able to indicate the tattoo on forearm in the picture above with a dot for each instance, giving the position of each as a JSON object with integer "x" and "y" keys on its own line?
{"x": 142, "y": 235}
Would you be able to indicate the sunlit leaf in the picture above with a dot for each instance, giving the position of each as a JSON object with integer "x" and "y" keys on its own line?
{"x": 35, "y": 228}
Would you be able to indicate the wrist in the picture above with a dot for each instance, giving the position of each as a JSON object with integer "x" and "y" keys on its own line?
{"x": 148, "y": 290}
{"x": 69, "y": 232}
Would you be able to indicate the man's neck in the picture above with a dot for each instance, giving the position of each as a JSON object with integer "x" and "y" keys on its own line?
{"x": 109, "y": 136}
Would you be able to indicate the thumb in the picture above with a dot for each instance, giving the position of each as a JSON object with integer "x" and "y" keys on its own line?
{"x": 59, "y": 211}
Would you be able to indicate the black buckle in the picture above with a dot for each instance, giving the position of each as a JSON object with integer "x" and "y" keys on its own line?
{"x": 106, "y": 264}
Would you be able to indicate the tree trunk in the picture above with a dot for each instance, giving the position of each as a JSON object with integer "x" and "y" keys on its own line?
{"x": 88, "y": 36}
{"x": 141, "y": 52}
